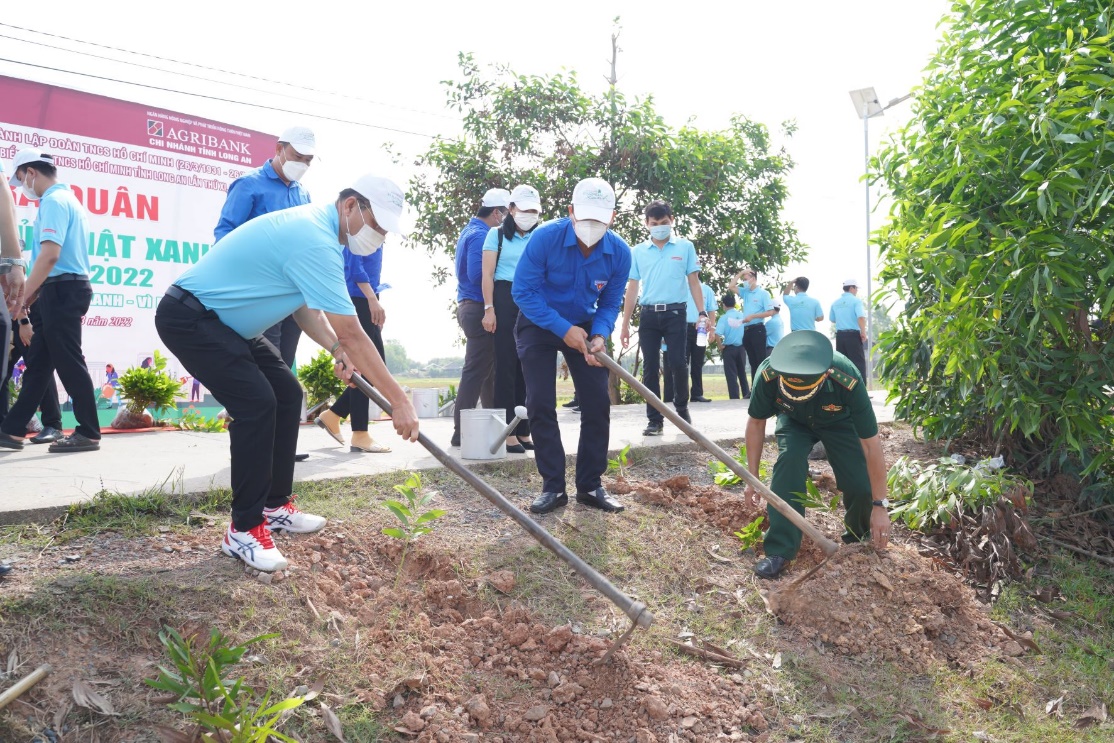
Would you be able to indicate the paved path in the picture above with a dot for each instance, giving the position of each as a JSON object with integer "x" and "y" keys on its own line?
{"x": 35, "y": 483}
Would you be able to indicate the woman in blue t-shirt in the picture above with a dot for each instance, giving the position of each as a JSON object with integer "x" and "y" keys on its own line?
{"x": 502, "y": 249}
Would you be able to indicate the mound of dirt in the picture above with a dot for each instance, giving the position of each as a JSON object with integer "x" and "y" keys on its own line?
{"x": 894, "y": 604}
{"x": 713, "y": 505}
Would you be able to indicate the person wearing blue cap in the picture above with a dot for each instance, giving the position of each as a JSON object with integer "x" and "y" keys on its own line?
{"x": 569, "y": 287}
{"x": 849, "y": 317}
{"x": 817, "y": 395}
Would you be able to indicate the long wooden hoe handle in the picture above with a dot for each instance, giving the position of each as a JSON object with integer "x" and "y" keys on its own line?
{"x": 25, "y": 683}
{"x": 636, "y": 610}
{"x": 826, "y": 545}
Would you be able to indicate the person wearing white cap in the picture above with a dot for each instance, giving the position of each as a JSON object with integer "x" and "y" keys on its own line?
{"x": 569, "y": 286}
{"x": 274, "y": 186}
{"x": 57, "y": 296}
{"x": 503, "y": 247}
{"x": 849, "y": 317}
{"x": 477, "y": 378}
{"x": 212, "y": 319}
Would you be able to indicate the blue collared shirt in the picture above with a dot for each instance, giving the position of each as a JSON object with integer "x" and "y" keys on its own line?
{"x": 61, "y": 219}
{"x": 754, "y": 301}
{"x": 511, "y": 253}
{"x": 556, "y": 287}
{"x": 803, "y": 311}
{"x": 256, "y": 193}
{"x": 663, "y": 272}
{"x": 775, "y": 329}
{"x": 470, "y": 260}
{"x": 729, "y": 326}
{"x": 362, "y": 269}
{"x": 270, "y": 267}
{"x": 846, "y": 312}
{"x": 709, "y": 296}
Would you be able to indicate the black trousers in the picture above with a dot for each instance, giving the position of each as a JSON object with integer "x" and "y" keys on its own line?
{"x": 653, "y": 328}
{"x": 735, "y": 369}
{"x": 510, "y": 385}
{"x": 695, "y": 355}
{"x": 51, "y": 411}
{"x": 284, "y": 336}
{"x": 56, "y": 346}
{"x": 258, "y": 390}
{"x": 850, "y": 344}
{"x": 538, "y": 349}
{"x": 754, "y": 341}
{"x": 352, "y": 401}
{"x": 477, "y": 378}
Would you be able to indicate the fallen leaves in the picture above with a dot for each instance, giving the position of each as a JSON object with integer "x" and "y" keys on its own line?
{"x": 86, "y": 696}
{"x": 1025, "y": 640}
{"x": 1055, "y": 707}
{"x": 1094, "y": 716}
{"x": 332, "y": 722}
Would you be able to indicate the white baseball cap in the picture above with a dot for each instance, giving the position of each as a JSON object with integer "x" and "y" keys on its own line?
{"x": 387, "y": 201}
{"x": 499, "y": 197}
{"x": 593, "y": 198}
{"x": 301, "y": 139}
{"x": 25, "y": 157}
{"x": 526, "y": 197}
{"x": 851, "y": 282}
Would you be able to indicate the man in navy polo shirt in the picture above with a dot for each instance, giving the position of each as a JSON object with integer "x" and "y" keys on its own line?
{"x": 756, "y": 305}
{"x": 569, "y": 286}
{"x": 477, "y": 378}
{"x": 663, "y": 276}
{"x": 58, "y": 292}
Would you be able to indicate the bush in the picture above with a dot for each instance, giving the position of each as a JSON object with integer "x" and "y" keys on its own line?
{"x": 149, "y": 388}
{"x": 319, "y": 380}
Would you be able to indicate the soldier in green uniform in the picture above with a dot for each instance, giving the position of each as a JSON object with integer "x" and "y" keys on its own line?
{"x": 817, "y": 395}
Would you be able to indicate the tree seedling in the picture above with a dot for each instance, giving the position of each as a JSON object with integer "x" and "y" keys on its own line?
{"x": 412, "y": 524}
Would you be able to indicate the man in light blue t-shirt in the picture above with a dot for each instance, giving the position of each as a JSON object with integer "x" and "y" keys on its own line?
{"x": 756, "y": 305}
{"x": 212, "y": 319}
{"x": 804, "y": 311}
{"x": 849, "y": 317}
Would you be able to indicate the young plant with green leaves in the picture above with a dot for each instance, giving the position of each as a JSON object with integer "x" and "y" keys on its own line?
{"x": 194, "y": 420}
{"x": 725, "y": 478}
{"x": 223, "y": 710}
{"x": 751, "y": 534}
{"x": 413, "y": 522}
{"x": 620, "y": 462}
{"x": 319, "y": 379}
{"x": 814, "y": 499}
{"x": 936, "y": 494}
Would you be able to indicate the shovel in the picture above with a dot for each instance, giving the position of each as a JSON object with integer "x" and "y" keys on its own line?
{"x": 826, "y": 545}
{"x": 638, "y": 613}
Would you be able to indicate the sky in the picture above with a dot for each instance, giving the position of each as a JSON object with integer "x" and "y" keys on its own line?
{"x": 382, "y": 65}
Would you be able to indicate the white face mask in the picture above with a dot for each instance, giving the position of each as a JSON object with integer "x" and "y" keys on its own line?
{"x": 589, "y": 231}
{"x": 28, "y": 189}
{"x": 293, "y": 170}
{"x": 525, "y": 221}
{"x": 366, "y": 241}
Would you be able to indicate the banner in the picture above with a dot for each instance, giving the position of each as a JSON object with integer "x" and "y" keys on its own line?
{"x": 153, "y": 183}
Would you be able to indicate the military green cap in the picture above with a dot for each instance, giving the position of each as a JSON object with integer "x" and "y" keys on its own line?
{"x": 804, "y": 353}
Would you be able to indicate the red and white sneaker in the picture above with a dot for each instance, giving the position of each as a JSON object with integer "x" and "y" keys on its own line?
{"x": 289, "y": 517}
{"x": 255, "y": 547}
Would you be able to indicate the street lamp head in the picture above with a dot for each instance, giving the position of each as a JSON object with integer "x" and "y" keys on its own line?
{"x": 866, "y": 103}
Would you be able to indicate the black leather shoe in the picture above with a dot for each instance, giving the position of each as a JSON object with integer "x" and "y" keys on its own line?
{"x": 547, "y": 502}
{"x": 455, "y": 440}
{"x": 770, "y": 566}
{"x": 600, "y": 499}
{"x": 527, "y": 445}
{"x": 700, "y": 398}
{"x": 684, "y": 413}
{"x": 654, "y": 429}
{"x": 47, "y": 436}
{"x": 573, "y": 403}
{"x": 515, "y": 449}
{"x": 4, "y": 570}
{"x": 301, "y": 457}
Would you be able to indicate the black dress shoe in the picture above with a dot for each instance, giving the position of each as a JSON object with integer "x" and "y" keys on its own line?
{"x": 527, "y": 445}
{"x": 654, "y": 429}
{"x": 547, "y": 502}
{"x": 4, "y": 570}
{"x": 770, "y": 566}
{"x": 301, "y": 457}
{"x": 47, "y": 436}
{"x": 684, "y": 413}
{"x": 8, "y": 442}
{"x": 455, "y": 440}
{"x": 600, "y": 499}
{"x": 516, "y": 449}
{"x": 700, "y": 398}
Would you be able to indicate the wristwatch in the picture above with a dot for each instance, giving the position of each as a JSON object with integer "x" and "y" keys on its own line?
{"x": 884, "y": 503}
{"x": 488, "y": 307}
{"x": 7, "y": 264}
{"x": 703, "y": 313}
{"x": 25, "y": 321}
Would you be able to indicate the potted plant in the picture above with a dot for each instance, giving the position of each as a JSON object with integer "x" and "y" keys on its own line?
{"x": 143, "y": 388}
{"x": 319, "y": 380}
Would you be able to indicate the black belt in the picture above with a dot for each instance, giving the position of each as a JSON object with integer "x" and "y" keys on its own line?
{"x": 176, "y": 292}
{"x": 856, "y": 332}
{"x": 66, "y": 277}
{"x": 664, "y": 307}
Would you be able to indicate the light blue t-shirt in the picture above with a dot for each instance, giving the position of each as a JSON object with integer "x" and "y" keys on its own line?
{"x": 663, "y": 272}
{"x": 730, "y": 327}
{"x": 803, "y": 311}
{"x": 709, "y": 296}
{"x": 270, "y": 266}
{"x": 512, "y": 251}
{"x": 754, "y": 301}
{"x": 846, "y": 312}
{"x": 61, "y": 219}
{"x": 775, "y": 329}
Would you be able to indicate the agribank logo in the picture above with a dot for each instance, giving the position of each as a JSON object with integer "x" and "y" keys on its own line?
{"x": 154, "y": 128}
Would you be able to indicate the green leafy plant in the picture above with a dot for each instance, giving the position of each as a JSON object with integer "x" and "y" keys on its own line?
{"x": 149, "y": 388}
{"x": 319, "y": 380}
{"x": 224, "y": 710}
{"x": 751, "y": 534}
{"x": 814, "y": 499}
{"x": 725, "y": 478}
{"x": 620, "y": 463}
{"x": 444, "y": 398}
{"x": 412, "y": 524}
{"x": 194, "y": 420}
{"x": 937, "y": 494}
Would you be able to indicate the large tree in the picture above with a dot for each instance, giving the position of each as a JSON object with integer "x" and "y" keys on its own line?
{"x": 1002, "y": 222}
{"x": 727, "y": 187}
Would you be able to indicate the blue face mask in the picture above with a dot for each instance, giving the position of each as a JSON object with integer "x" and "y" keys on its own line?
{"x": 661, "y": 231}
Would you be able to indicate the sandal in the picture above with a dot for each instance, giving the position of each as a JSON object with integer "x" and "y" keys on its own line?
{"x": 75, "y": 442}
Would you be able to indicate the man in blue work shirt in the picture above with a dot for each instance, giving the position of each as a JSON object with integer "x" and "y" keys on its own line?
{"x": 665, "y": 268}
{"x": 849, "y": 317}
{"x": 729, "y": 331}
{"x": 212, "y": 320}
{"x": 477, "y": 377}
{"x": 804, "y": 311}
{"x": 756, "y": 305}
{"x": 569, "y": 286}
{"x": 58, "y": 292}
